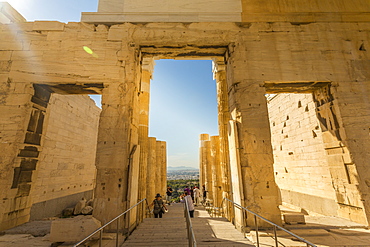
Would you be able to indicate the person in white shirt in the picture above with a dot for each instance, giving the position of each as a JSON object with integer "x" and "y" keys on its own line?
{"x": 189, "y": 201}
{"x": 196, "y": 196}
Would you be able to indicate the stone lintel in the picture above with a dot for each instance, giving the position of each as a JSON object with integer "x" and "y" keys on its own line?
{"x": 115, "y": 18}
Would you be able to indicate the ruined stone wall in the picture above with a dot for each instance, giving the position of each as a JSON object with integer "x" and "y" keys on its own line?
{"x": 66, "y": 168}
{"x": 304, "y": 11}
{"x": 256, "y": 53}
{"x": 300, "y": 161}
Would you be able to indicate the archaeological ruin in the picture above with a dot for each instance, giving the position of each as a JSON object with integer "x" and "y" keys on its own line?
{"x": 293, "y": 90}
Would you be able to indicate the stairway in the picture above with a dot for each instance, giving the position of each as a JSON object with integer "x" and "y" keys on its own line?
{"x": 167, "y": 231}
{"x": 171, "y": 230}
{"x": 216, "y": 231}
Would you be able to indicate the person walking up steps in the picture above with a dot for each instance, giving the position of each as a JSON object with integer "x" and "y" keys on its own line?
{"x": 196, "y": 196}
{"x": 169, "y": 195}
{"x": 158, "y": 206}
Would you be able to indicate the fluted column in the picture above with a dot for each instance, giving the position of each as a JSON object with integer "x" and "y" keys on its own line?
{"x": 151, "y": 169}
{"x": 219, "y": 71}
{"x": 158, "y": 168}
{"x": 164, "y": 167}
{"x": 144, "y": 98}
{"x": 203, "y": 159}
{"x": 216, "y": 171}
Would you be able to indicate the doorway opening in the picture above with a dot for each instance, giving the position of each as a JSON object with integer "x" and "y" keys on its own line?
{"x": 300, "y": 161}
{"x": 183, "y": 104}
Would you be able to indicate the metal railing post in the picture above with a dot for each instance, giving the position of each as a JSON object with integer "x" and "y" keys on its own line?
{"x": 256, "y": 223}
{"x": 191, "y": 238}
{"x": 275, "y": 226}
{"x": 101, "y": 238}
{"x": 275, "y": 236}
{"x": 117, "y": 235}
{"x": 100, "y": 229}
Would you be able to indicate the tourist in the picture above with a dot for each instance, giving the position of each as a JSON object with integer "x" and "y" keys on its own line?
{"x": 159, "y": 206}
{"x": 192, "y": 193}
{"x": 169, "y": 195}
{"x": 189, "y": 201}
{"x": 196, "y": 196}
{"x": 187, "y": 190}
{"x": 204, "y": 193}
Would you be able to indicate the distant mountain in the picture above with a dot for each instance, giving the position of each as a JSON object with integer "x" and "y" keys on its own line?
{"x": 181, "y": 168}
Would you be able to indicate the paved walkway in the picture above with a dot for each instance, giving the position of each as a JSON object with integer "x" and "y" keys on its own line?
{"x": 171, "y": 231}
{"x": 216, "y": 231}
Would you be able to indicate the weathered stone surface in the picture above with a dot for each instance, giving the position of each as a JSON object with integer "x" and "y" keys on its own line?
{"x": 290, "y": 42}
{"x": 73, "y": 229}
{"x": 87, "y": 210}
{"x": 79, "y": 206}
{"x": 294, "y": 218}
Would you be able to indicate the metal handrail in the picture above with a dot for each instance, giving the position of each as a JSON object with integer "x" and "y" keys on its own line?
{"x": 275, "y": 226}
{"x": 100, "y": 229}
{"x": 189, "y": 226}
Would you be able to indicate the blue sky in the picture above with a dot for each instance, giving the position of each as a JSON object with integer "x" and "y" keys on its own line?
{"x": 183, "y": 101}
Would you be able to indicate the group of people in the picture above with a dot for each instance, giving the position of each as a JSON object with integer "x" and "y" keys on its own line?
{"x": 191, "y": 195}
{"x": 195, "y": 194}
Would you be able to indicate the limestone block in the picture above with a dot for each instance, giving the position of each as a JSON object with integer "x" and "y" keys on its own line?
{"x": 294, "y": 219}
{"x": 73, "y": 229}
{"x": 48, "y": 26}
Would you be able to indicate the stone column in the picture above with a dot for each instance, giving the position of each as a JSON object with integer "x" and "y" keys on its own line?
{"x": 208, "y": 170}
{"x": 203, "y": 159}
{"x": 117, "y": 138}
{"x": 158, "y": 168}
{"x": 151, "y": 170}
{"x": 216, "y": 171}
{"x": 248, "y": 108}
{"x": 219, "y": 70}
{"x": 147, "y": 69}
{"x": 164, "y": 167}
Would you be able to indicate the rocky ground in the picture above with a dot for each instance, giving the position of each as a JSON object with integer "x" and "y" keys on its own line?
{"x": 32, "y": 234}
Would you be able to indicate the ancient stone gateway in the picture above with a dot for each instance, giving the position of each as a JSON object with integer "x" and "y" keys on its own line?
{"x": 319, "y": 48}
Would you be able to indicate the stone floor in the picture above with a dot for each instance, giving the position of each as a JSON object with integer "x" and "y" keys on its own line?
{"x": 320, "y": 230}
{"x": 216, "y": 231}
{"x": 209, "y": 231}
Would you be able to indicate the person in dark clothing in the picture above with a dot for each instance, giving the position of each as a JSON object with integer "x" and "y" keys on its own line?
{"x": 158, "y": 205}
{"x": 169, "y": 195}
{"x": 204, "y": 193}
{"x": 187, "y": 190}
{"x": 192, "y": 193}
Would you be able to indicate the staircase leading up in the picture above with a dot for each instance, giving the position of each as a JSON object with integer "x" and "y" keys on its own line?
{"x": 213, "y": 231}
{"x": 171, "y": 230}
{"x": 167, "y": 231}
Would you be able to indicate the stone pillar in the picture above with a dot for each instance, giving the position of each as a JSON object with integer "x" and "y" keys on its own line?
{"x": 252, "y": 155}
{"x": 164, "y": 167}
{"x": 117, "y": 138}
{"x": 151, "y": 170}
{"x": 158, "y": 168}
{"x": 219, "y": 70}
{"x": 203, "y": 160}
{"x": 208, "y": 170}
{"x": 216, "y": 171}
{"x": 147, "y": 68}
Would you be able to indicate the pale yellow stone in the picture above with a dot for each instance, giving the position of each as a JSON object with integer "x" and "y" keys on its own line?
{"x": 73, "y": 229}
